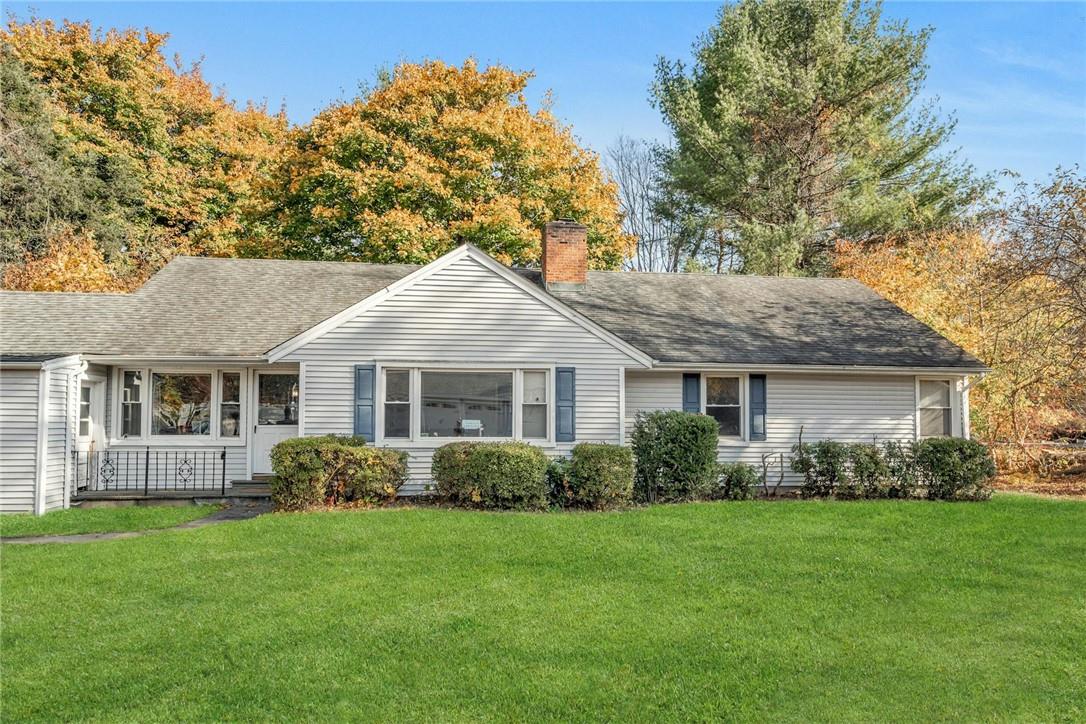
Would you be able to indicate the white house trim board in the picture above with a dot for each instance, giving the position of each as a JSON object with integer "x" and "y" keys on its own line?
{"x": 40, "y": 460}
{"x": 462, "y": 252}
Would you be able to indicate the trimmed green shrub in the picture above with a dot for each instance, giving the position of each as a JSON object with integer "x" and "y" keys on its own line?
{"x": 955, "y": 469}
{"x": 902, "y": 476}
{"x": 737, "y": 481}
{"x": 494, "y": 475}
{"x": 596, "y": 476}
{"x": 315, "y": 471}
{"x": 824, "y": 465}
{"x": 675, "y": 454}
{"x": 867, "y": 473}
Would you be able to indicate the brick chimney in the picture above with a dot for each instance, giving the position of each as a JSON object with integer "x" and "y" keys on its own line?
{"x": 565, "y": 255}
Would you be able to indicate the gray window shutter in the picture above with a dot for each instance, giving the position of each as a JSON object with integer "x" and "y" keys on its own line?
{"x": 757, "y": 407}
{"x": 565, "y": 404}
{"x": 364, "y": 377}
{"x": 691, "y": 392}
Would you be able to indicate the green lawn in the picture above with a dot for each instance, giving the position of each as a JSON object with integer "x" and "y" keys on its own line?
{"x": 101, "y": 520}
{"x": 790, "y": 610}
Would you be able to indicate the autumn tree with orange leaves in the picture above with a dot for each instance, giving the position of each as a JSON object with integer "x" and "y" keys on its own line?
{"x": 434, "y": 156}
{"x": 1013, "y": 296}
{"x": 121, "y": 116}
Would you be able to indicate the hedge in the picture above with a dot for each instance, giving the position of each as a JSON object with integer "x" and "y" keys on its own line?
{"x": 945, "y": 468}
{"x": 675, "y": 456}
{"x": 596, "y": 476}
{"x": 955, "y": 469}
{"x": 329, "y": 470}
{"x": 494, "y": 475}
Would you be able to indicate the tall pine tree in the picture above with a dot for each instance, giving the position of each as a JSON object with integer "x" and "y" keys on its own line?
{"x": 798, "y": 125}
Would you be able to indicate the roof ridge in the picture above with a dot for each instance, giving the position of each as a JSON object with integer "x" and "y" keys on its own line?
{"x": 81, "y": 295}
{"x": 714, "y": 275}
{"x": 290, "y": 261}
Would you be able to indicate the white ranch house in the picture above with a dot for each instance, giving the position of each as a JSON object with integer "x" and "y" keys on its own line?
{"x": 186, "y": 384}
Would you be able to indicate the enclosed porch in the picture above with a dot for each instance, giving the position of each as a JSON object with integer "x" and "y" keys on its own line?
{"x": 174, "y": 430}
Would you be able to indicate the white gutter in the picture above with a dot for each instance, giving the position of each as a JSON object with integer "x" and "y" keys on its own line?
{"x": 194, "y": 359}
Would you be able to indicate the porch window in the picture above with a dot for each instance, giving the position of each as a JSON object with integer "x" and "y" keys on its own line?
{"x": 467, "y": 404}
{"x": 84, "y": 410}
{"x": 935, "y": 408}
{"x": 534, "y": 404}
{"x": 132, "y": 403}
{"x": 230, "y": 404}
{"x": 181, "y": 404}
{"x": 397, "y": 403}
{"x": 724, "y": 404}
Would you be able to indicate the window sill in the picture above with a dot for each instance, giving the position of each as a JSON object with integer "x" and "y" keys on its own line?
{"x": 731, "y": 442}
{"x": 170, "y": 442}
{"x": 432, "y": 443}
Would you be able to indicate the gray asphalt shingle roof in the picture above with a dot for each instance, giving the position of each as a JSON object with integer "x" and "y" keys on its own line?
{"x": 244, "y": 307}
{"x": 193, "y": 307}
{"x": 735, "y": 319}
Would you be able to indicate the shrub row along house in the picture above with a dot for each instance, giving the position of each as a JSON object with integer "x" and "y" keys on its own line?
{"x": 188, "y": 382}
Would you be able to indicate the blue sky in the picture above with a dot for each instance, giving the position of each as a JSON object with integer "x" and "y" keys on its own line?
{"x": 1013, "y": 73}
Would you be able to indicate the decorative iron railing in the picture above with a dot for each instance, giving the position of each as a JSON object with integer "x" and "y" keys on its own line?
{"x": 150, "y": 470}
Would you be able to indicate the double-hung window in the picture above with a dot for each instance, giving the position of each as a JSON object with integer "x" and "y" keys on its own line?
{"x": 723, "y": 402}
{"x": 397, "y": 404}
{"x": 533, "y": 405}
{"x": 420, "y": 404}
{"x": 935, "y": 410}
{"x": 132, "y": 403}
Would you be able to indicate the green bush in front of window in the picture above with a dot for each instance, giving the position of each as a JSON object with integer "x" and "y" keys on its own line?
{"x": 902, "y": 475}
{"x": 737, "y": 481}
{"x": 596, "y": 476}
{"x": 675, "y": 456}
{"x": 955, "y": 469}
{"x": 311, "y": 472}
{"x": 491, "y": 475}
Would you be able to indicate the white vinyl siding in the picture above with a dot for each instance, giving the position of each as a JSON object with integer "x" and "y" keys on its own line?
{"x": 850, "y": 408}
{"x": 466, "y": 314}
{"x": 19, "y": 429}
{"x": 18, "y": 438}
{"x": 62, "y": 419}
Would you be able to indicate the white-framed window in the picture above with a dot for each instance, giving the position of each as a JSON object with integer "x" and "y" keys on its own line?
{"x": 724, "y": 403}
{"x": 85, "y": 417}
{"x": 934, "y": 408}
{"x": 132, "y": 403}
{"x": 167, "y": 404}
{"x": 534, "y": 405}
{"x": 397, "y": 404}
{"x": 230, "y": 404}
{"x": 432, "y": 404}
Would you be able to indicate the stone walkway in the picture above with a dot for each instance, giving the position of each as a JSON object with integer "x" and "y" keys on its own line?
{"x": 226, "y": 515}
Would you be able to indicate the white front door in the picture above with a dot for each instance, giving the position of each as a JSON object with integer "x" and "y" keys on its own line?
{"x": 275, "y": 414}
